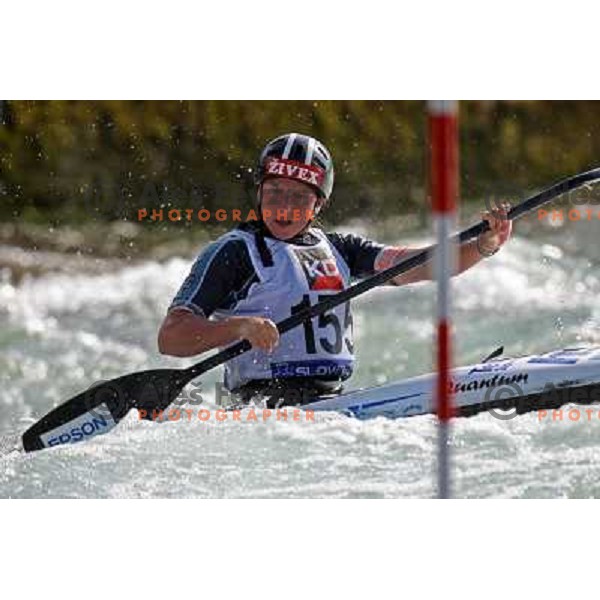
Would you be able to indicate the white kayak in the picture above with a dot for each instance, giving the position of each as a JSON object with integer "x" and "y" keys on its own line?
{"x": 523, "y": 384}
{"x": 550, "y": 380}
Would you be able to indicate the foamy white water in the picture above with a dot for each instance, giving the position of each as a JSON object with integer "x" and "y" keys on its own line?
{"x": 60, "y": 333}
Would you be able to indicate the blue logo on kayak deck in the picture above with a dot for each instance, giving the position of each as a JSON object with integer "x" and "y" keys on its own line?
{"x": 552, "y": 360}
{"x": 492, "y": 367}
{"x": 358, "y": 410}
{"x": 567, "y": 356}
{"x": 560, "y": 357}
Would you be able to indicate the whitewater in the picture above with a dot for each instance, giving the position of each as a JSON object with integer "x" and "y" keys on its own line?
{"x": 61, "y": 332}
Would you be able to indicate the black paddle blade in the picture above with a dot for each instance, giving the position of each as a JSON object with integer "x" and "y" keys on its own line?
{"x": 99, "y": 408}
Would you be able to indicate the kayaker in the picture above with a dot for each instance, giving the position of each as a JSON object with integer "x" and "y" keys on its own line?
{"x": 263, "y": 271}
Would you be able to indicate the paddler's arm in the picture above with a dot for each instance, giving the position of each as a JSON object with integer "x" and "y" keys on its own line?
{"x": 184, "y": 333}
{"x": 470, "y": 253}
{"x": 223, "y": 270}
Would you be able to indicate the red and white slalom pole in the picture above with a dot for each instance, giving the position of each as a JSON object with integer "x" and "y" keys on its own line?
{"x": 443, "y": 137}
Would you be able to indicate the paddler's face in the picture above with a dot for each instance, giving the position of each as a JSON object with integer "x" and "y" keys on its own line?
{"x": 287, "y": 206}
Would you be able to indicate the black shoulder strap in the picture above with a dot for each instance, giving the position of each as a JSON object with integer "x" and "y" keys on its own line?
{"x": 265, "y": 254}
{"x": 259, "y": 237}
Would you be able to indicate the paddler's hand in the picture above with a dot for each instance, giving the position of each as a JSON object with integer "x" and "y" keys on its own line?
{"x": 261, "y": 333}
{"x": 499, "y": 232}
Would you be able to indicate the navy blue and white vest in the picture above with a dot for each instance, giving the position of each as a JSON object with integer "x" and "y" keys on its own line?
{"x": 294, "y": 277}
